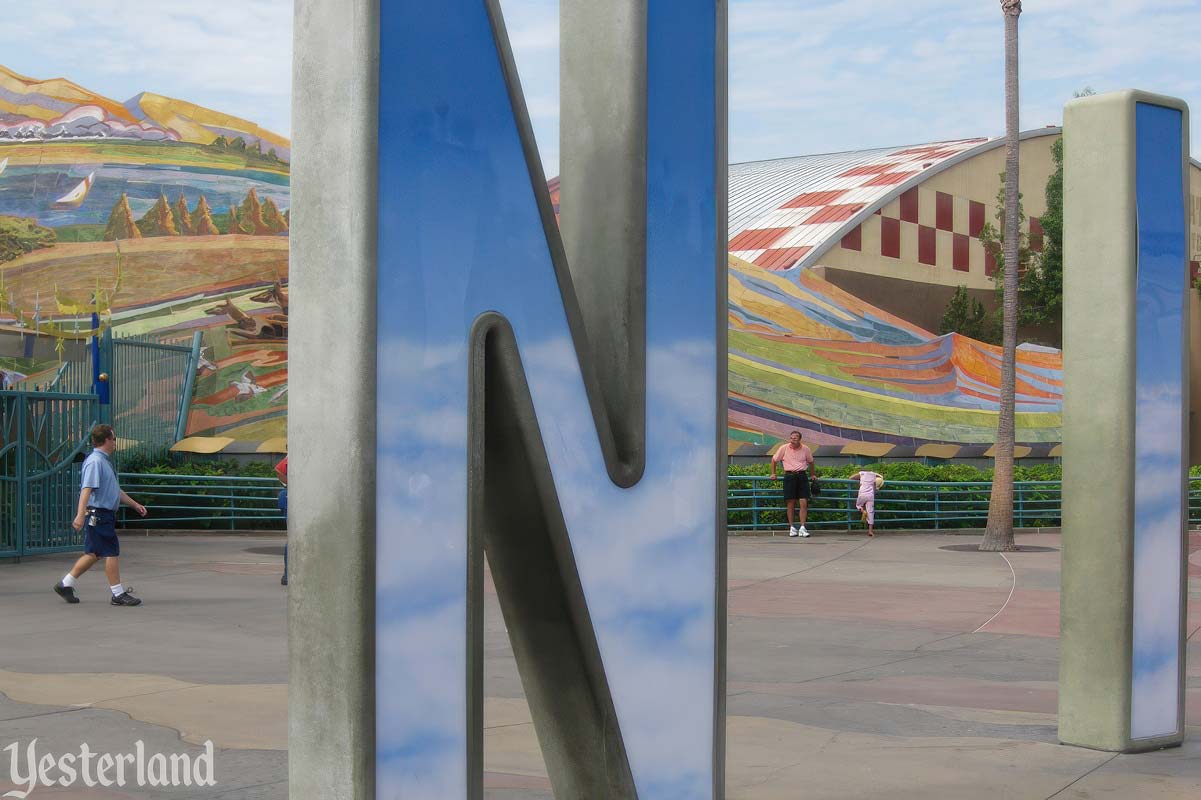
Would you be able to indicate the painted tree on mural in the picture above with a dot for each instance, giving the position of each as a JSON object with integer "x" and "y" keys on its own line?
{"x": 272, "y": 218}
{"x": 159, "y": 220}
{"x": 250, "y": 215}
{"x": 998, "y": 535}
{"x": 120, "y": 222}
{"x": 202, "y": 219}
{"x": 183, "y": 219}
{"x": 231, "y": 220}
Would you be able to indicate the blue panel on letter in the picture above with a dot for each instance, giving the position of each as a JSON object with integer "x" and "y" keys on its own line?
{"x": 1159, "y": 422}
{"x": 460, "y": 234}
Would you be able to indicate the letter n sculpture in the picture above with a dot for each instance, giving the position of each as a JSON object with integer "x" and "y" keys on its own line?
{"x": 550, "y": 405}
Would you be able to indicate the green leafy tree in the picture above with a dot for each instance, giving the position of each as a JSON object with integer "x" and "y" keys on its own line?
{"x": 966, "y": 315}
{"x": 159, "y": 220}
{"x": 1040, "y": 275}
{"x": 19, "y": 236}
{"x": 120, "y": 222}
{"x": 1044, "y": 283}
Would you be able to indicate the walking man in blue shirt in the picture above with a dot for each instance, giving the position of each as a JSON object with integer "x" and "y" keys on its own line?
{"x": 99, "y": 498}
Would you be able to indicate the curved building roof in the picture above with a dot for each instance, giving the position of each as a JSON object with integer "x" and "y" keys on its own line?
{"x": 788, "y": 212}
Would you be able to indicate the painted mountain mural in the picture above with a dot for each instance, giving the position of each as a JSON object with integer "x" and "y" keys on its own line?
{"x": 179, "y": 211}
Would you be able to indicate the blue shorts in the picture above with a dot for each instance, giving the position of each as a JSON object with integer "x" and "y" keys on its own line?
{"x": 100, "y": 540}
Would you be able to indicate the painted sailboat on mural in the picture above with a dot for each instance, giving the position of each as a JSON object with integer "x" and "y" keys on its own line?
{"x": 75, "y": 197}
{"x": 175, "y": 213}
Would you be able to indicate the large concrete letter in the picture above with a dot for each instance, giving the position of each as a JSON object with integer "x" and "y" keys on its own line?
{"x": 567, "y": 422}
{"x": 1125, "y": 475}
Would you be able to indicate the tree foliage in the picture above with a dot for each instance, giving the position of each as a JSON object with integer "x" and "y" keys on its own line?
{"x": 1040, "y": 275}
{"x": 966, "y": 315}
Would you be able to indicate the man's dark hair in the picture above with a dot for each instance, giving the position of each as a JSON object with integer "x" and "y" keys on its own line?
{"x": 798, "y": 433}
{"x": 101, "y": 434}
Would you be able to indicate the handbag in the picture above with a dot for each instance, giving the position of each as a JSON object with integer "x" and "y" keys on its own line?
{"x": 815, "y": 487}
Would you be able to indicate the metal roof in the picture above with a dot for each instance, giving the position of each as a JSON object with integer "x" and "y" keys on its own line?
{"x": 791, "y": 211}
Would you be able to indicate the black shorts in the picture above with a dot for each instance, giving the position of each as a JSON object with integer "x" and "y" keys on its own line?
{"x": 796, "y": 485}
{"x": 100, "y": 540}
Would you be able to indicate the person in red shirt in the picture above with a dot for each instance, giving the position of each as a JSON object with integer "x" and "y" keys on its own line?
{"x": 798, "y": 460}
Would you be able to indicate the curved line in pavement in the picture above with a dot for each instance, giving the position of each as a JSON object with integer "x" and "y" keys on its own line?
{"x": 1012, "y": 587}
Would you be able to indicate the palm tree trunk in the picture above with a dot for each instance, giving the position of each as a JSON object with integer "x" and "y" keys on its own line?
{"x": 999, "y": 533}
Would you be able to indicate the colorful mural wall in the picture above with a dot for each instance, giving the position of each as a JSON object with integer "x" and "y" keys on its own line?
{"x": 806, "y": 355}
{"x": 174, "y": 218}
{"x": 172, "y": 215}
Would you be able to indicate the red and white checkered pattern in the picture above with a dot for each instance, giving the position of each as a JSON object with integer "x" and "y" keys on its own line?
{"x": 781, "y": 210}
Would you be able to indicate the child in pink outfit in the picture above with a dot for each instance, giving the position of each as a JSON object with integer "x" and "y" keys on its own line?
{"x": 865, "y": 503}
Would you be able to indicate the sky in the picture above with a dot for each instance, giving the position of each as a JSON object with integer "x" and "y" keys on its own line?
{"x": 806, "y": 76}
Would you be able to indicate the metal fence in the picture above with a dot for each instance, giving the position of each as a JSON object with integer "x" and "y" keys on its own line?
{"x": 203, "y": 502}
{"x": 73, "y": 376}
{"x": 755, "y": 503}
{"x": 151, "y": 392}
{"x": 42, "y": 439}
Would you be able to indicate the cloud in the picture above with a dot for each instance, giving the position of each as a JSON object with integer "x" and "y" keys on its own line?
{"x": 805, "y": 78}
{"x": 645, "y": 555}
{"x": 236, "y": 63}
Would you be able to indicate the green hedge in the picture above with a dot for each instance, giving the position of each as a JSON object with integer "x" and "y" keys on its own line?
{"x": 258, "y": 504}
{"x": 914, "y": 471}
{"x": 210, "y": 468}
{"x": 832, "y": 508}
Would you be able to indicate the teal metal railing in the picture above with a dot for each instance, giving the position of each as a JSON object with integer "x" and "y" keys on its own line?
{"x": 754, "y": 503}
{"x": 203, "y": 502}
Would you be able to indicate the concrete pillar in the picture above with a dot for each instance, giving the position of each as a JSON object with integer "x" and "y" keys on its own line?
{"x": 331, "y": 414}
{"x": 1126, "y": 400}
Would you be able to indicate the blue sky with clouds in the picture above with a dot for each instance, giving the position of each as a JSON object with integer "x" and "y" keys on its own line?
{"x": 806, "y": 76}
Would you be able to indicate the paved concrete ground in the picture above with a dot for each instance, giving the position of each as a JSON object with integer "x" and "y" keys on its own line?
{"x": 858, "y": 669}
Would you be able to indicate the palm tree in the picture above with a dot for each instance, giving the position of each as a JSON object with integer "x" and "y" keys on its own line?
{"x": 998, "y": 535}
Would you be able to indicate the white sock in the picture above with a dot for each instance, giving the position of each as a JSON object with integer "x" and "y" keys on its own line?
{"x": 118, "y": 590}
{"x": 69, "y": 580}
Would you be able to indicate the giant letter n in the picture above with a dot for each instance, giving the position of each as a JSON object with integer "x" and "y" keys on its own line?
{"x": 572, "y": 439}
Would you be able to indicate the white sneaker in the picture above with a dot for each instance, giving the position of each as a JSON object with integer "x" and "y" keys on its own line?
{"x": 803, "y": 533}
{"x": 792, "y": 531}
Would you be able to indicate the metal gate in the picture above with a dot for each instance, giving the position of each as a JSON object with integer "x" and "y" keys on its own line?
{"x": 43, "y": 437}
{"x": 151, "y": 385}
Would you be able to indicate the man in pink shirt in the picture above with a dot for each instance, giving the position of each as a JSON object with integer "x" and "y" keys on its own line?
{"x": 798, "y": 460}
